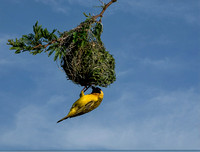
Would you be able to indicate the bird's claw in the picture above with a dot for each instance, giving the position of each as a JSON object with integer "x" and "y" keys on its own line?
{"x": 85, "y": 88}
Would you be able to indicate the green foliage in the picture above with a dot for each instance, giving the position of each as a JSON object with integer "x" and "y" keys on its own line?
{"x": 98, "y": 29}
{"x": 36, "y": 42}
{"x": 80, "y": 51}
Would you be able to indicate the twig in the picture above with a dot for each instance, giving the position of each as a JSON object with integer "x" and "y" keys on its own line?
{"x": 94, "y": 17}
{"x": 44, "y": 46}
{"x": 104, "y": 8}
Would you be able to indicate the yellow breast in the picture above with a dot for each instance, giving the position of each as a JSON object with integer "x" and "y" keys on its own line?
{"x": 81, "y": 103}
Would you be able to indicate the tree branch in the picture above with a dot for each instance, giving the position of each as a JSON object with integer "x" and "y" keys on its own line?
{"x": 104, "y": 8}
{"x": 44, "y": 46}
{"x": 95, "y": 17}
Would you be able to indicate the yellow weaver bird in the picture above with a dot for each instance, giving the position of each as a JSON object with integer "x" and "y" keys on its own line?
{"x": 85, "y": 103}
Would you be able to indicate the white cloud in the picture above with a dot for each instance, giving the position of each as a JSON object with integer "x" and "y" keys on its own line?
{"x": 136, "y": 119}
{"x": 168, "y": 120}
{"x": 161, "y": 120}
{"x": 57, "y": 5}
{"x": 85, "y": 3}
{"x": 4, "y": 61}
{"x": 162, "y": 64}
{"x": 124, "y": 73}
{"x": 174, "y": 9}
{"x": 63, "y": 5}
{"x": 4, "y": 39}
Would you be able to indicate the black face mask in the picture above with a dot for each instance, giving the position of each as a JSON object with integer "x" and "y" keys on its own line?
{"x": 96, "y": 90}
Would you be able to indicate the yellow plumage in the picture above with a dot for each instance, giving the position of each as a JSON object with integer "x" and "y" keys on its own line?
{"x": 85, "y": 103}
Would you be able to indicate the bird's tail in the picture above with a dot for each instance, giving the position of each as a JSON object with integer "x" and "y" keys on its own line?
{"x": 62, "y": 119}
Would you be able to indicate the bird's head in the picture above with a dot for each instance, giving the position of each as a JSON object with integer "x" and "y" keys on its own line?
{"x": 96, "y": 90}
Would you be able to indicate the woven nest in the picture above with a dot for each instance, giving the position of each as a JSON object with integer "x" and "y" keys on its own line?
{"x": 86, "y": 61}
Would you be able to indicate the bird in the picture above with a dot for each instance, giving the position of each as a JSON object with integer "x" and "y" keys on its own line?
{"x": 85, "y": 103}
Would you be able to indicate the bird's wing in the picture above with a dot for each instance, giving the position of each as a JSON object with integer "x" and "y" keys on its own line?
{"x": 84, "y": 109}
{"x": 89, "y": 105}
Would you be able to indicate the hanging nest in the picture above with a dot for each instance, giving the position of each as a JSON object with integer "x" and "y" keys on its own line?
{"x": 86, "y": 61}
{"x": 81, "y": 51}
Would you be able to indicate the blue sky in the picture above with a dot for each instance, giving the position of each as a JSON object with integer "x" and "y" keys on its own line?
{"x": 154, "y": 103}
